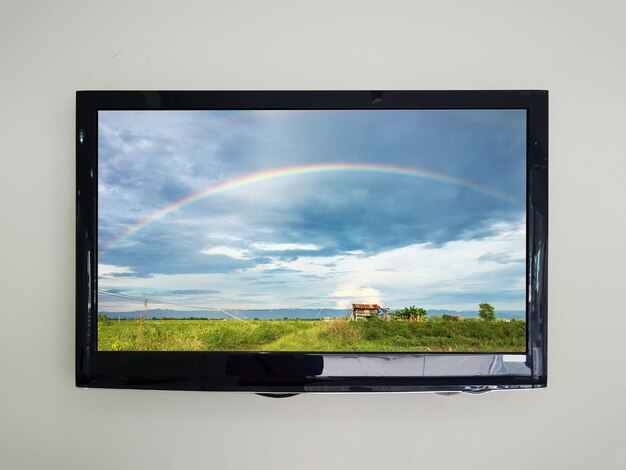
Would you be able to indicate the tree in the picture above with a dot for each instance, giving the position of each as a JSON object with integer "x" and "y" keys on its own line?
{"x": 410, "y": 313}
{"x": 418, "y": 313}
{"x": 487, "y": 312}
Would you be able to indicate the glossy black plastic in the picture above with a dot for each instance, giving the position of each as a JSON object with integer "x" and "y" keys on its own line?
{"x": 310, "y": 372}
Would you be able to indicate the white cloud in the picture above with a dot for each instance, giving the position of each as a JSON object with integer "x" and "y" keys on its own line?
{"x": 108, "y": 271}
{"x": 355, "y": 252}
{"x": 346, "y": 293}
{"x": 267, "y": 246}
{"x": 231, "y": 252}
{"x": 224, "y": 236}
{"x": 419, "y": 274}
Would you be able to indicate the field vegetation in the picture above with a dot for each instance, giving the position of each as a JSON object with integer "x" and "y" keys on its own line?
{"x": 374, "y": 335}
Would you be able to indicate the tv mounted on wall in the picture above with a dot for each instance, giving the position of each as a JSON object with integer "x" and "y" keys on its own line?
{"x": 312, "y": 241}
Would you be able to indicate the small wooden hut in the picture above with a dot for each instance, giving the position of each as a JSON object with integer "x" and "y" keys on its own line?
{"x": 360, "y": 311}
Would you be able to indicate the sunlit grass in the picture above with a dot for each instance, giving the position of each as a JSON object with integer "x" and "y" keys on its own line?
{"x": 296, "y": 335}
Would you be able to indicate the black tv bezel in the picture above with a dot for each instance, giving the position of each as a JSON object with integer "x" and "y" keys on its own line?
{"x": 279, "y": 372}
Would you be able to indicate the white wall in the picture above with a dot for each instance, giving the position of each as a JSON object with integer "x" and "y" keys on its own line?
{"x": 574, "y": 49}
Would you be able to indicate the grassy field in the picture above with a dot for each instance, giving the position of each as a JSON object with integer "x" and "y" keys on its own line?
{"x": 301, "y": 335}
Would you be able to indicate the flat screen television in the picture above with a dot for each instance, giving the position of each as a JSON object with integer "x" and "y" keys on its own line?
{"x": 281, "y": 242}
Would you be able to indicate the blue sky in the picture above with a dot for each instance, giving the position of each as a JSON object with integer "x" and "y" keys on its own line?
{"x": 344, "y": 237}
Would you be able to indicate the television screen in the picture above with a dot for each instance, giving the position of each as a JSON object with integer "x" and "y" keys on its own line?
{"x": 391, "y": 228}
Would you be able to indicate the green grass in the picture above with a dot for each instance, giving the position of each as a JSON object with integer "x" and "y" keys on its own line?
{"x": 295, "y": 335}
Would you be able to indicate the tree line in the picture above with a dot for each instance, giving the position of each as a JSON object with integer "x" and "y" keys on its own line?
{"x": 486, "y": 312}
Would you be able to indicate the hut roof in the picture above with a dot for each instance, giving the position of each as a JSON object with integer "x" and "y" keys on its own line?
{"x": 368, "y": 306}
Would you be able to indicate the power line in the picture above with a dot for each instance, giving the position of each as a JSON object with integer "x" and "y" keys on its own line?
{"x": 201, "y": 307}
{"x": 161, "y": 302}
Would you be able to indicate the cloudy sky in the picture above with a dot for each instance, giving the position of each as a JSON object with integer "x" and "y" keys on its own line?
{"x": 322, "y": 208}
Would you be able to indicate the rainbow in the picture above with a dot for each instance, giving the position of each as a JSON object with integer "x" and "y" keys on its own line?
{"x": 303, "y": 170}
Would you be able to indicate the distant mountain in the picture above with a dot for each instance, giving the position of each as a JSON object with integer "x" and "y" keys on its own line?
{"x": 266, "y": 314}
{"x": 281, "y": 313}
{"x": 508, "y": 314}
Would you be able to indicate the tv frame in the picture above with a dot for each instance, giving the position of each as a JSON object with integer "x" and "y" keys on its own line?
{"x": 284, "y": 373}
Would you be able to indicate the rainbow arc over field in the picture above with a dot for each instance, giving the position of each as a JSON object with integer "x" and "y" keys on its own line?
{"x": 269, "y": 175}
